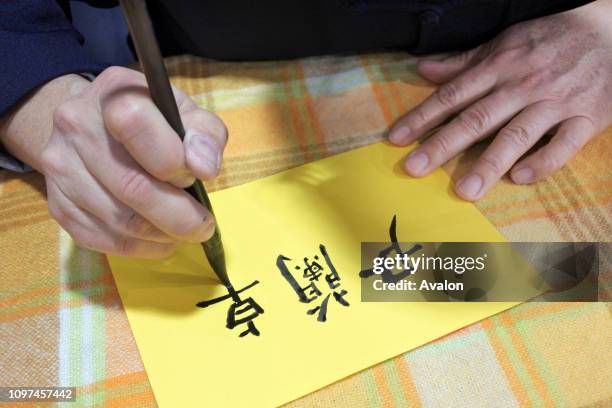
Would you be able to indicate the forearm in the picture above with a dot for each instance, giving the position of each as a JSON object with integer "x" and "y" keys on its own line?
{"x": 25, "y": 129}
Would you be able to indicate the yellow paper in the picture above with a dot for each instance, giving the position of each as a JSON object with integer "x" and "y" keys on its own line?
{"x": 192, "y": 359}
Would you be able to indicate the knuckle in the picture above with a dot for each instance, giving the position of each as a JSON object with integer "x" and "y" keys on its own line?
{"x": 52, "y": 163}
{"x": 569, "y": 144}
{"x": 462, "y": 58}
{"x": 125, "y": 246}
{"x": 67, "y": 118}
{"x": 138, "y": 225}
{"x": 63, "y": 217}
{"x": 550, "y": 163}
{"x": 124, "y": 115}
{"x": 534, "y": 79}
{"x": 135, "y": 186}
{"x": 487, "y": 48}
{"x": 169, "y": 167}
{"x": 448, "y": 95}
{"x": 475, "y": 121}
{"x": 517, "y": 135}
{"x": 442, "y": 144}
{"x": 113, "y": 74}
{"x": 492, "y": 162}
{"x": 504, "y": 57}
{"x": 83, "y": 240}
{"x": 419, "y": 117}
{"x": 60, "y": 215}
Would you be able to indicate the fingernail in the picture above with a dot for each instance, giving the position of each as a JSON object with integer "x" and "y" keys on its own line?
{"x": 470, "y": 186}
{"x": 399, "y": 135}
{"x": 523, "y": 176}
{"x": 206, "y": 149}
{"x": 416, "y": 163}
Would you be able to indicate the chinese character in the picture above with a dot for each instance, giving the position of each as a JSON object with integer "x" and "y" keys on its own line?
{"x": 312, "y": 271}
{"x": 240, "y": 311}
{"x": 387, "y": 275}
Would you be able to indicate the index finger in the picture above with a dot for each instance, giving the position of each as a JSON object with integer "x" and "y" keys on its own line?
{"x": 444, "y": 102}
{"x": 132, "y": 119}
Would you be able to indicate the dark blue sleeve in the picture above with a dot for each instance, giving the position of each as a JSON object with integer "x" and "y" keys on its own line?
{"x": 37, "y": 44}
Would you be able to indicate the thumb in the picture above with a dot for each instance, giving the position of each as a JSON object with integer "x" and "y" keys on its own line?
{"x": 202, "y": 155}
{"x": 204, "y": 143}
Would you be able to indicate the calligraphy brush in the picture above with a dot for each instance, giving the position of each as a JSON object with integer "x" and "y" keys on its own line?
{"x": 152, "y": 64}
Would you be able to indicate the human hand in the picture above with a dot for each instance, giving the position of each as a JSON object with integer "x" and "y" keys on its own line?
{"x": 115, "y": 169}
{"x": 549, "y": 74}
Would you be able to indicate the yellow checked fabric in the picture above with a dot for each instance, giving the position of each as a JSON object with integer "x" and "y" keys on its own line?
{"x": 61, "y": 319}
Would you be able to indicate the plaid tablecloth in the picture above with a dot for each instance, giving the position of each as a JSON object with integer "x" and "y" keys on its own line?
{"x": 62, "y": 322}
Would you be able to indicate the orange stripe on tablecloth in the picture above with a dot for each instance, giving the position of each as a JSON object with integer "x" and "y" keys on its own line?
{"x": 131, "y": 400}
{"x": 576, "y": 227}
{"x": 545, "y": 308}
{"x": 50, "y": 307}
{"x": 48, "y": 290}
{"x": 295, "y": 115}
{"x": 117, "y": 381}
{"x": 547, "y": 214}
{"x": 53, "y": 306}
{"x": 382, "y": 386}
{"x": 11, "y": 202}
{"x": 515, "y": 338}
{"x": 35, "y": 206}
{"x": 109, "y": 385}
{"x": 502, "y": 357}
{"x": 573, "y": 181}
{"x": 25, "y": 222}
{"x": 565, "y": 225}
{"x": 53, "y": 288}
{"x": 104, "y": 278}
{"x": 26, "y": 404}
{"x": 17, "y": 194}
{"x": 378, "y": 93}
{"x": 393, "y": 90}
{"x": 556, "y": 195}
{"x": 410, "y": 391}
{"x": 314, "y": 120}
{"x": 582, "y": 222}
{"x": 124, "y": 379}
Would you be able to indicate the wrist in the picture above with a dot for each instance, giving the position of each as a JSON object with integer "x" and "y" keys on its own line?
{"x": 25, "y": 128}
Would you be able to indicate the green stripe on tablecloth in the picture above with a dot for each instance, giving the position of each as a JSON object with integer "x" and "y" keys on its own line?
{"x": 395, "y": 386}
{"x": 516, "y": 361}
{"x": 371, "y": 388}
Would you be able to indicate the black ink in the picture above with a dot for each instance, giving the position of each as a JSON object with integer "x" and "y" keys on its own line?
{"x": 313, "y": 269}
{"x": 207, "y": 303}
{"x": 312, "y": 272}
{"x": 332, "y": 278}
{"x": 241, "y": 311}
{"x": 322, "y": 309}
{"x": 339, "y": 296}
{"x": 301, "y": 291}
{"x": 387, "y": 275}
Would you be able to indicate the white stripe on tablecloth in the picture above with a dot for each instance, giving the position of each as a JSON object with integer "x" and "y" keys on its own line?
{"x": 64, "y": 312}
